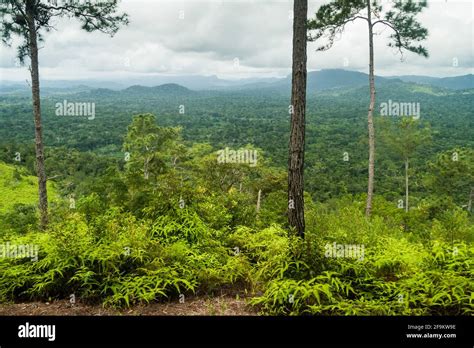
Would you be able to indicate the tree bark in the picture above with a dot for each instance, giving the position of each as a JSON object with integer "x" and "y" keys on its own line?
{"x": 258, "y": 200}
{"x": 370, "y": 119}
{"x": 471, "y": 196}
{"x": 35, "y": 91}
{"x": 297, "y": 135}
{"x": 406, "y": 185}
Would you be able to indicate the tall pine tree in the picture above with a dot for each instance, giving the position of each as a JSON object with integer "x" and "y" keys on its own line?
{"x": 298, "y": 109}
{"x": 397, "y": 15}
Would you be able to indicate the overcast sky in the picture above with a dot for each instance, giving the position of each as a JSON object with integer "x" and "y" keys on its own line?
{"x": 237, "y": 39}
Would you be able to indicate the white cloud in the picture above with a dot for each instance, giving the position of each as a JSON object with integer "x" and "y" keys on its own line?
{"x": 204, "y": 37}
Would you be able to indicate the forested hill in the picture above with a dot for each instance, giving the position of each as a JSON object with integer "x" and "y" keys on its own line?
{"x": 192, "y": 213}
{"x": 457, "y": 82}
{"x": 259, "y": 116}
{"x": 322, "y": 80}
{"x": 336, "y": 123}
{"x": 169, "y": 89}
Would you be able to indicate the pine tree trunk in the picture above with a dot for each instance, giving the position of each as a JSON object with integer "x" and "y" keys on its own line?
{"x": 35, "y": 91}
{"x": 406, "y": 185}
{"x": 370, "y": 119}
{"x": 297, "y": 135}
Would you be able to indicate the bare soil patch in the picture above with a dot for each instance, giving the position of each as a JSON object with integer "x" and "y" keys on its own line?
{"x": 222, "y": 305}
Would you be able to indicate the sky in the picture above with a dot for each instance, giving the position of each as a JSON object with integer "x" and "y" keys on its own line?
{"x": 236, "y": 39}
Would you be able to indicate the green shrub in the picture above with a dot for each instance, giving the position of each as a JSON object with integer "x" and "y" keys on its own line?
{"x": 119, "y": 260}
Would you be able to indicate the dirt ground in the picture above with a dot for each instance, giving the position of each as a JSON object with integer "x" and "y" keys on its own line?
{"x": 223, "y": 305}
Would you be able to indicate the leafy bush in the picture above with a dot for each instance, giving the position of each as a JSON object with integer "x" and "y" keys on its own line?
{"x": 397, "y": 278}
{"x": 119, "y": 260}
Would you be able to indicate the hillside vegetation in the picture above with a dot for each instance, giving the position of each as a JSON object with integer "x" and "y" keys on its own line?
{"x": 159, "y": 217}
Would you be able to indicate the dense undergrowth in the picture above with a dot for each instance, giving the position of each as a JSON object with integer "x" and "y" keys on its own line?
{"x": 139, "y": 237}
{"x": 120, "y": 260}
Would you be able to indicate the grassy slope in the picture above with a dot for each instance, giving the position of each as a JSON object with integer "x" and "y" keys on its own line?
{"x": 14, "y": 191}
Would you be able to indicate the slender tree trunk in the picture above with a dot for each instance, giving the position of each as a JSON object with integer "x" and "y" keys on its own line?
{"x": 145, "y": 168}
{"x": 370, "y": 119}
{"x": 471, "y": 196}
{"x": 298, "y": 106}
{"x": 259, "y": 196}
{"x": 406, "y": 185}
{"x": 35, "y": 91}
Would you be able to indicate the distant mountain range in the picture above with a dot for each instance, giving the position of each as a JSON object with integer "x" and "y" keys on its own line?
{"x": 168, "y": 88}
{"x": 327, "y": 79}
{"x": 455, "y": 82}
{"x": 339, "y": 78}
